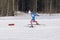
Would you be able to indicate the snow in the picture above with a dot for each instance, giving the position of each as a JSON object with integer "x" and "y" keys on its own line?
{"x": 21, "y": 31}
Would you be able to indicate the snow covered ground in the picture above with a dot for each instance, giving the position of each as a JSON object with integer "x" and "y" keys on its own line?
{"x": 48, "y": 30}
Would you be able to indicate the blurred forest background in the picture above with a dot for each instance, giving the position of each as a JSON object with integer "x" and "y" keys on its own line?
{"x": 8, "y": 7}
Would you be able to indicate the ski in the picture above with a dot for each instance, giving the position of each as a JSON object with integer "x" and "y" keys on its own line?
{"x": 36, "y": 25}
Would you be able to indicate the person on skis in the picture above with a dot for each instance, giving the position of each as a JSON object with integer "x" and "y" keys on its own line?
{"x": 33, "y": 15}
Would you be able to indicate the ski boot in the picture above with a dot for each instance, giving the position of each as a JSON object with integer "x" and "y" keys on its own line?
{"x": 37, "y": 24}
{"x": 31, "y": 26}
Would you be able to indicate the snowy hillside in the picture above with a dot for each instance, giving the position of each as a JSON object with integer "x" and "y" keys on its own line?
{"x": 48, "y": 30}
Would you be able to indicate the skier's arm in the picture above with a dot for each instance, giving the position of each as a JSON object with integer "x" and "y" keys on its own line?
{"x": 36, "y": 14}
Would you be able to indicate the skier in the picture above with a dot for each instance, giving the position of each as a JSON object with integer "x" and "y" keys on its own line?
{"x": 33, "y": 14}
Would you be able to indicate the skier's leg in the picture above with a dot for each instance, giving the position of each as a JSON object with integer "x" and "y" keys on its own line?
{"x": 31, "y": 23}
{"x": 36, "y": 22}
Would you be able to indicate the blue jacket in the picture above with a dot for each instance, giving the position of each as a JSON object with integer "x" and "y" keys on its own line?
{"x": 33, "y": 14}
